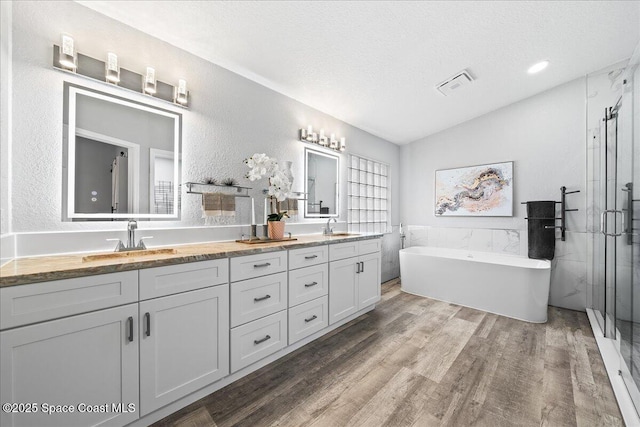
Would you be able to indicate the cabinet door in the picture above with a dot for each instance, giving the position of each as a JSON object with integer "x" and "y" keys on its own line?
{"x": 184, "y": 344}
{"x": 86, "y": 359}
{"x": 343, "y": 293}
{"x": 369, "y": 280}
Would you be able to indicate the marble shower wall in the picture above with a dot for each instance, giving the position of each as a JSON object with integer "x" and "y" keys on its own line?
{"x": 568, "y": 268}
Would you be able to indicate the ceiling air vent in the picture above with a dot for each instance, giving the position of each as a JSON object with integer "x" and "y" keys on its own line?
{"x": 453, "y": 84}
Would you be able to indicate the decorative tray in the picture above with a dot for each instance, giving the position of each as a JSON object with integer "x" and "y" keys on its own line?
{"x": 260, "y": 241}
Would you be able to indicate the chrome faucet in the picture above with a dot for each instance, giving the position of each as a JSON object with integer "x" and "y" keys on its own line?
{"x": 329, "y": 231}
{"x": 132, "y": 226}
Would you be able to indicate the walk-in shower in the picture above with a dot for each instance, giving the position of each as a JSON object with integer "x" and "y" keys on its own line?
{"x": 613, "y": 220}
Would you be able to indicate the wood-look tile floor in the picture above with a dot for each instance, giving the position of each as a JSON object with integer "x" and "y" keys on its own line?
{"x": 419, "y": 362}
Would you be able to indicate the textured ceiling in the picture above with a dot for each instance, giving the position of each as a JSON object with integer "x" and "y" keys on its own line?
{"x": 375, "y": 64}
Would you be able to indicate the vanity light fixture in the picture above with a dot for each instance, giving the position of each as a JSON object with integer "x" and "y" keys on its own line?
{"x": 536, "y": 68}
{"x": 333, "y": 142}
{"x": 323, "y": 139}
{"x": 181, "y": 94}
{"x": 308, "y": 135}
{"x": 68, "y": 58}
{"x": 149, "y": 84}
{"x": 112, "y": 72}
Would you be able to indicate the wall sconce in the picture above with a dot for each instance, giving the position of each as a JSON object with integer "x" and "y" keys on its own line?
{"x": 181, "y": 95}
{"x": 68, "y": 57}
{"x": 308, "y": 135}
{"x": 112, "y": 72}
{"x": 149, "y": 84}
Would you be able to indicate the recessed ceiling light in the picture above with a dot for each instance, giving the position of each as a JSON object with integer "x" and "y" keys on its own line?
{"x": 536, "y": 68}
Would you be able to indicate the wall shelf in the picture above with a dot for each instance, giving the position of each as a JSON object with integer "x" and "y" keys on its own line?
{"x": 238, "y": 191}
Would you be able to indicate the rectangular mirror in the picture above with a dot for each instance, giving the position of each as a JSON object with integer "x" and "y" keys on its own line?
{"x": 122, "y": 158}
{"x": 321, "y": 184}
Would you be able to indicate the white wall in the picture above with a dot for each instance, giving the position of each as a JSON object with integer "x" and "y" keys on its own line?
{"x": 7, "y": 240}
{"x": 229, "y": 119}
{"x": 545, "y": 138}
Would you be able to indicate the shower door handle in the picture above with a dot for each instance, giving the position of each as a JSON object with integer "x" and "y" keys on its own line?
{"x": 603, "y": 222}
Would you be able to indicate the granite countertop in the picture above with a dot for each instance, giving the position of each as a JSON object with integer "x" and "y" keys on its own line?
{"x": 23, "y": 271}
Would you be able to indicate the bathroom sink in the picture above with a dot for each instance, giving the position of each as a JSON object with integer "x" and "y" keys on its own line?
{"x": 128, "y": 254}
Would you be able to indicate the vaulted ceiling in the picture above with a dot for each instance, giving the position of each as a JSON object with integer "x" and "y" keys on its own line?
{"x": 375, "y": 64}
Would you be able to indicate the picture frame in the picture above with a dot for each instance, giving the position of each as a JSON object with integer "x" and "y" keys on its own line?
{"x": 482, "y": 190}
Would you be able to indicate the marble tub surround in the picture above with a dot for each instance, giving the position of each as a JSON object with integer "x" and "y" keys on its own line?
{"x": 40, "y": 269}
{"x": 510, "y": 242}
{"x": 569, "y": 284}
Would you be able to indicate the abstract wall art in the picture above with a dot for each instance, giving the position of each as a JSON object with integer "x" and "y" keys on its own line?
{"x": 485, "y": 190}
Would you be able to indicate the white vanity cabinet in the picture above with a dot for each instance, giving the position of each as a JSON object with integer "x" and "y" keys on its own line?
{"x": 184, "y": 334}
{"x": 354, "y": 277}
{"x": 88, "y": 359}
{"x": 184, "y": 344}
{"x": 148, "y": 342}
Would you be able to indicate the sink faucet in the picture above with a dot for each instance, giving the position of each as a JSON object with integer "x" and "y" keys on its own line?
{"x": 132, "y": 226}
{"x": 329, "y": 231}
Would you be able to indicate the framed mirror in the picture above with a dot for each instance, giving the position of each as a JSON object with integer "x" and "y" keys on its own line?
{"x": 121, "y": 158}
{"x": 322, "y": 172}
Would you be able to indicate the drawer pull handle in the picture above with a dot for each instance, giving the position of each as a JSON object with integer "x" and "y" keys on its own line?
{"x": 262, "y": 298}
{"x": 357, "y": 267}
{"x": 261, "y": 340}
{"x": 308, "y": 285}
{"x": 362, "y": 268}
{"x": 266, "y": 264}
{"x": 130, "y": 322}
{"x": 314, "y": 317}
{"x": 311, "y": 257}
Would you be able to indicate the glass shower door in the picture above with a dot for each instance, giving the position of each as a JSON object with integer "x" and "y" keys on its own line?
{"x": 626, "y": 245}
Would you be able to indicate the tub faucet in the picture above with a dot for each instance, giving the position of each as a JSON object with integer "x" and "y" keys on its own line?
{"x": 328, "y": 230}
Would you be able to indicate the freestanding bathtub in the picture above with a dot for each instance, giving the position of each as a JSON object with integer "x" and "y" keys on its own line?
{"x": 512, "y": 286}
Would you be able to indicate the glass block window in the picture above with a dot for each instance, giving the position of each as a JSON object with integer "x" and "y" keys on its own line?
{"x": 369, "y": 199}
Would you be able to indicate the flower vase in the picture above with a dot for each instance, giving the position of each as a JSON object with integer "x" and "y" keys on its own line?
{"x": 275, "y": 230}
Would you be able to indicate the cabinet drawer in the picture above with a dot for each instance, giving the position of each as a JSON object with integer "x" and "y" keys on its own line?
{"x": 258, "y": 339}
{"x": 308, "y": 256}
{"x": 173, "y": 279}
{"x": 308, "y": 283}
{"x": 308, "y": 318}
{"x": 255, "y": 298}
{"x": 24, "y": 304}
{"x": 248, "y": 267}
{"x": 369, "y": 246}
{"x": 340, "y": 251}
